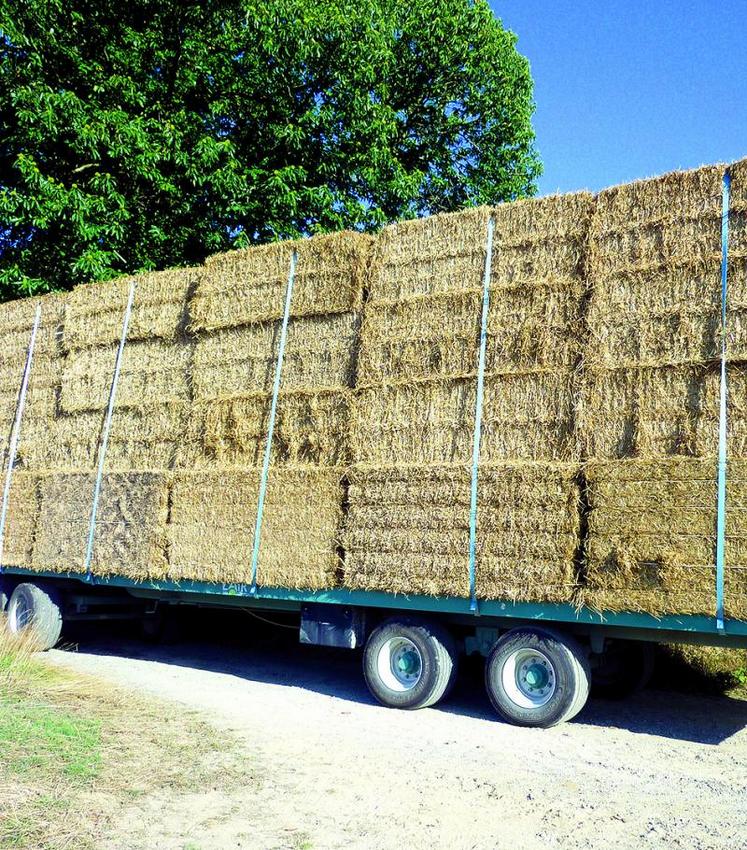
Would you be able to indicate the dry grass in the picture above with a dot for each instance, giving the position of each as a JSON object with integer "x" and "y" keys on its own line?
{"x": 77, "y": 752}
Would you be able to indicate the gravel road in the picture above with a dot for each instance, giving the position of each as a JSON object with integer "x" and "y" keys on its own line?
{"x": 661, "y": 770}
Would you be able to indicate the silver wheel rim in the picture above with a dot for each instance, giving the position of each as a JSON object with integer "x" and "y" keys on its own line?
{"x": 20, "y": 614}
{"x": 399, "y": 664}
{"x": 528, "y": 678}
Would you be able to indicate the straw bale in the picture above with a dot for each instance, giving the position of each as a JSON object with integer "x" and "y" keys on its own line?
{"x": 543, "y": 220}
{"x": 525, "y": 416}
{"x": 654, "y": 412}
{"x": 151, "y": 372}
{"x": 16, "y": 322}
{"x": 679, "y": 196}
{"x": 143, "y": 438}
{"x": 21, "y": 520}
{"x": 242, "y": 287}
{"x": 213, "y": 515}
{"x": 652, "y": 536}
{"x": 96, "y": 310}
{"x": 310, "y": 428}
{"x": 407, "y": 530}
{"x": 437, "y": 336}
{"x": 320, "y": 353}
{"x": 130, "y": 530}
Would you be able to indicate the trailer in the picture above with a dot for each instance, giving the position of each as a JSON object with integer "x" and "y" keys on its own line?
{"x": 540, "y": 657}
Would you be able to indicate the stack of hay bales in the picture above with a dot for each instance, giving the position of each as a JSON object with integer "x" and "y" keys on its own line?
{"x": 407, "y": 527}
{"x": 16, "y": 322}
{"x": 58, "y": 450}
{"x": 648, "y": 413}
{"x": 236, "y": 315}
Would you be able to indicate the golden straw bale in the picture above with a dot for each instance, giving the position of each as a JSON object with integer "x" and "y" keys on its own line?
{"x": 525, "y": 416}
{"x": 310, "y": 428}
{"x": 242, "y": 287}
{"x": 407, "y": 530}
{"x": 319, "y": 353}
{"x": 130, "y": 528}
{"x": 676, "y": 196}
{"x": 738, "y": 172}
{"x": 652, "y": 530}
{"x": 442, "y": 253}
{"x": 153, "y": 372}
{"x": 437, "y": 336}
{"x": 213, "y": 515}
{"x": 21, "y": 520}
{"x": 143, "y": 438}
{"x": 656, "y": 412}
{"x": 96, "y": 310}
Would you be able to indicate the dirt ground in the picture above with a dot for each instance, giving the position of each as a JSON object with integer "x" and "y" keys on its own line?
{"x": 661, "y": 770}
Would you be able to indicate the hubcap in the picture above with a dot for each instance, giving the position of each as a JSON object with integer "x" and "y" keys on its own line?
{"x": 528, "y": 678}
{"x": 399, "y": 664}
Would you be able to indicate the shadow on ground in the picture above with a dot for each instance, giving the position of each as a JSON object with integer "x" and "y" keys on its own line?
{"x": 236, "y": 644}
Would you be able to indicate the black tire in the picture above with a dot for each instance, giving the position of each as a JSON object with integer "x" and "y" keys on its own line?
{"x": 625, "y": 668}
{"x": 431, "y": 676}
{"x": 35, "y": 608}
{"x": 3, "y": 596}
{"x": 560, "y": 673}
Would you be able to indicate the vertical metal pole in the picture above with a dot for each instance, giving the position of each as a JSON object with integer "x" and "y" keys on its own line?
{"x": 105, "y": 435}
{"x": 271, "y": 425}
{"x": 16, "y": 431}
{"x": 721, "y": 487}
{"x": 478, "y": 418}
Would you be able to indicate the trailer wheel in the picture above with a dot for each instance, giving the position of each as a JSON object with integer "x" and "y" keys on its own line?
{"x": 3, "y": 596}
{"x": 35, "y": 609}
{"x": 409, "y": 663}
{"x": 537, "y": 677}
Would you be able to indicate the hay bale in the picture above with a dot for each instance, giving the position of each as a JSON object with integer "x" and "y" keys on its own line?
{"x": 437, "y": 336}
{"x": 242, "y": 287}
{"x": 152, "y": 372}
{"x": 143, "y": 438}
{"x": 130, "y": 529}
{"x": 535, "y": 242}
{"x": 310, "y": 428}
{"x": 21, "y": 520}
{"x": 525, "y": 416}
{"x": 319, "y": 354}
{"x": 407, "y": 530}
{"x": 213, "y": 515}
{"x": 652, "y": 530}
{"x": 657, "y": 412}
{"x": 96, "y": 310}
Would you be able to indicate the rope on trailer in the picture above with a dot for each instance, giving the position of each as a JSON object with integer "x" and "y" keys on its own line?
{"x": 16, "y": 431}
{"x": 722, "y": 414}
{"x": 104, "y": 444}
{"x": 271, "y": 425}
{"x": 478, "y": 417}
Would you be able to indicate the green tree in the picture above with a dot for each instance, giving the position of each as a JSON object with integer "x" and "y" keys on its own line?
{"x": 148, "y": 133}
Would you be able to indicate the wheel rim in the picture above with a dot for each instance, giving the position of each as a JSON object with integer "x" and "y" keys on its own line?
{"x": 529, "y": 678}
{"x": 399, "y": 664}
{"x": 20, "y": 614}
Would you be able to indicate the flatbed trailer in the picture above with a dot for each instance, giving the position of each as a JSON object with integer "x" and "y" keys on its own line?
{"x": 540, "y": 657}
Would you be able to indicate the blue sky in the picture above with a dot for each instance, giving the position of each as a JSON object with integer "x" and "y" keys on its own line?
{"x": 631, "y": 89}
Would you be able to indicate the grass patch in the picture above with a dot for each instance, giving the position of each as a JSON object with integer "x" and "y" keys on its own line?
{"x": 77, "y": 752}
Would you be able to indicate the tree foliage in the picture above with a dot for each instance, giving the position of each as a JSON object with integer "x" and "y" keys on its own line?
{"x": 148, "y": 133}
